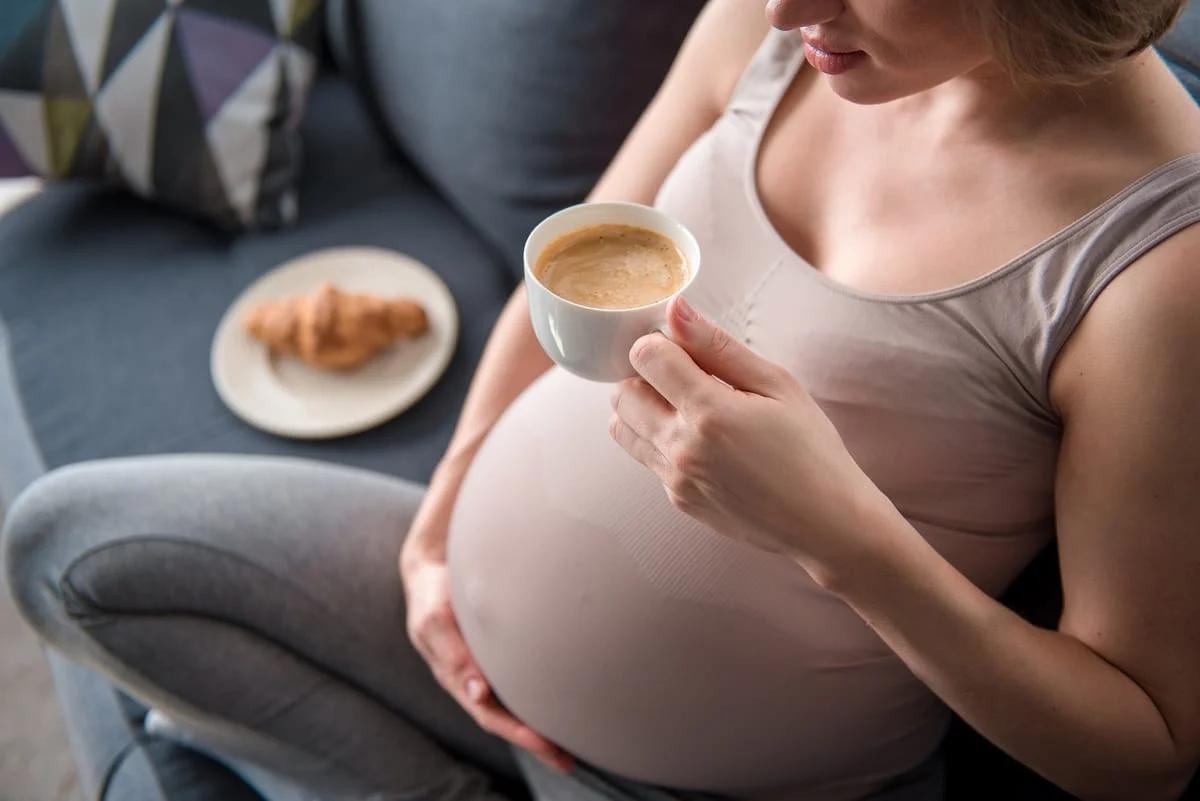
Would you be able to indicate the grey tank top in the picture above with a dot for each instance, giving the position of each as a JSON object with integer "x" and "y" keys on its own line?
{"x": 659, "y": 650}
{"x": 942, "y": 397}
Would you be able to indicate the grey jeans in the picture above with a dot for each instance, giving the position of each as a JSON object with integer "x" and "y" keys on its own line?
{"x": 255, "y": 603}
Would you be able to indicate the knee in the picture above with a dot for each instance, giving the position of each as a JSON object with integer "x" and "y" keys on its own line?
{"x": 42, "y": 535}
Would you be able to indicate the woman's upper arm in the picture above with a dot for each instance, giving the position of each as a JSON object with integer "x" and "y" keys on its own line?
{"x": 690, "y": 99}
{"x": 1128, "y": 486}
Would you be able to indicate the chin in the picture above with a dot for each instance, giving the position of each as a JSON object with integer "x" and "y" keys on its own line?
{"x": 861, "y": 89}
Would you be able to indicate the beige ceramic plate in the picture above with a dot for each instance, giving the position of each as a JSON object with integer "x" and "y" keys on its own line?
{"x": 287, "y": 397}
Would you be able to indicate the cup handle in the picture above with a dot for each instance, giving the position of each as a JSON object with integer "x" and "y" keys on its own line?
{"x": 662, "y": 328}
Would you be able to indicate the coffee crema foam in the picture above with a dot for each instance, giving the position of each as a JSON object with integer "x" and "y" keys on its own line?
{"x": 612, "y": 266}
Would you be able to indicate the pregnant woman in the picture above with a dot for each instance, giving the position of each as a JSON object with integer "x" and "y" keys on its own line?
{"x": 948, "y": 315}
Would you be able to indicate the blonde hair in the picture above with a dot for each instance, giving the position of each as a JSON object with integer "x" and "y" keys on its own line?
{"x": 1072, "y": 41}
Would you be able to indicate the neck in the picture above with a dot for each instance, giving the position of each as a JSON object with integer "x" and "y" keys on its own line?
{"x": 987, "y": 106}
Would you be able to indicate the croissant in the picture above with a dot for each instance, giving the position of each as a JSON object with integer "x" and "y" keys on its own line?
{"x": 334, "y": 329}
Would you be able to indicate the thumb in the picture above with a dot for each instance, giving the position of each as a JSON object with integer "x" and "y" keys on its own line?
{"x": 719, "y": 353}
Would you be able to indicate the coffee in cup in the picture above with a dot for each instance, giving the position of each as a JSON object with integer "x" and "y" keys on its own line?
{"x": 600, "y": 275}
{"x": 612, "y": 266}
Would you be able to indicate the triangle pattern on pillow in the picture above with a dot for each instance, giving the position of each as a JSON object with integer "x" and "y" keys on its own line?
{"x": 88, "y": 22}
{"x": 128, "y": 102}
{"x": 302, "y": 12}
{"x": 126, "y": 30}
{"x": 180, "y": 128}
{"x": 66, "y": 120}
{"x": 21, "y": 114}
{"x": 239, "y": 149}
{"x": 11, "y": 163}
{"x": 290, "y": 15}
{"x": 91, "y": 158}
{"x": 60, "y": 74}
{"x": 274, "y": 202}
{"x": 281, "y": 12}
{"x": 252, "y": 13}
{"x": 195, "y": 103}
{"x": 299, "y": 68}
{"x": 219, "y": 54}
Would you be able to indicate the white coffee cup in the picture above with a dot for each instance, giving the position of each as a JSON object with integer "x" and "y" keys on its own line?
{"x": 589, "y": 342}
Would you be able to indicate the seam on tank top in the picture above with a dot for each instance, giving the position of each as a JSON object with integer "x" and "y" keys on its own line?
{"x": 1114, "y": 268}
{"x": 752, "y": 298}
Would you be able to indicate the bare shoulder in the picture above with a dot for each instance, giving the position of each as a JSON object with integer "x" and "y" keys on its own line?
{"x": 1168, "y": 110}
{"x": 1142, "y": 330}
{"x": 721, "y": 43}
{"x": 1126, "y": 506}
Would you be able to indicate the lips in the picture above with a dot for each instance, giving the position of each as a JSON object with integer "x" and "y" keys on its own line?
{"x": 832, "y": 62}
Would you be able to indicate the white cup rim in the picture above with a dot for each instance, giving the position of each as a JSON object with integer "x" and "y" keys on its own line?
{"x": 693, "y": 269}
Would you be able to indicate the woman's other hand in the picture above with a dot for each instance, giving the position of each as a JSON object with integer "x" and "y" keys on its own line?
{"x": 751, "y": 455}
{"x": 434, "y": 632}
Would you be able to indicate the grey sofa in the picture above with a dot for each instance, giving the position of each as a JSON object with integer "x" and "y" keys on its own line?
{"x": 444, "y": 130}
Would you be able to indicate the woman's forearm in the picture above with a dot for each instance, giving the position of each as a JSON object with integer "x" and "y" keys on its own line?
{"x": 511, "y": 361}
{"x": 1042, "y": 696}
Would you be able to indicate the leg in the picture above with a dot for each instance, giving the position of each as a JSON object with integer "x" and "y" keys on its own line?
{"x": 256, "y": 602}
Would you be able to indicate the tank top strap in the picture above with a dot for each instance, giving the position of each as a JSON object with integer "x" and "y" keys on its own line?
{"x": 1068, "y": 272}
{"x": 766, "y": 77}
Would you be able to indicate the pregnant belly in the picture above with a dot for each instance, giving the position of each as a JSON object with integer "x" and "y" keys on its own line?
{"x": 651, "y": 646}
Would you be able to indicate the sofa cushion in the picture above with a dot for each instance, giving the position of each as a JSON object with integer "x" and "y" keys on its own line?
{"x": 20, "y": 460}
{"x": 111, "y": 304}
{"x": 513, "y": 108}
{"x": 196, "y": 105}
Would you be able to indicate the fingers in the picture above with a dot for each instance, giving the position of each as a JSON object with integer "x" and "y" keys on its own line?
{"x": 435, "y": 633}
{"x": 717, "y": 352}
{"x": 491, "y": 716}
{"x": 457, "y": 672}
{"x": 441, "y": 643}
{"x": 641, "y": 408}
{"x": 476, "y": 697}
{"x": 639, "y": 448}
{"x": 447, "y": 653}
{"x": 671, "y": 372}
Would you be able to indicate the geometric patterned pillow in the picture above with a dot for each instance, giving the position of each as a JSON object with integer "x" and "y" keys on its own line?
{"x": 192, "y": 103}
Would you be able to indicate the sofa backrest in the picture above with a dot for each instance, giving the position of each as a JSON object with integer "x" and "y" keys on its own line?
{"x": 1180, "y": 48}
{"x": 511, "y": 108}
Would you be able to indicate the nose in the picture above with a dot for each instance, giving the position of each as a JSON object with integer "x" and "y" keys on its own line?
{"x": 788, "y": 15}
